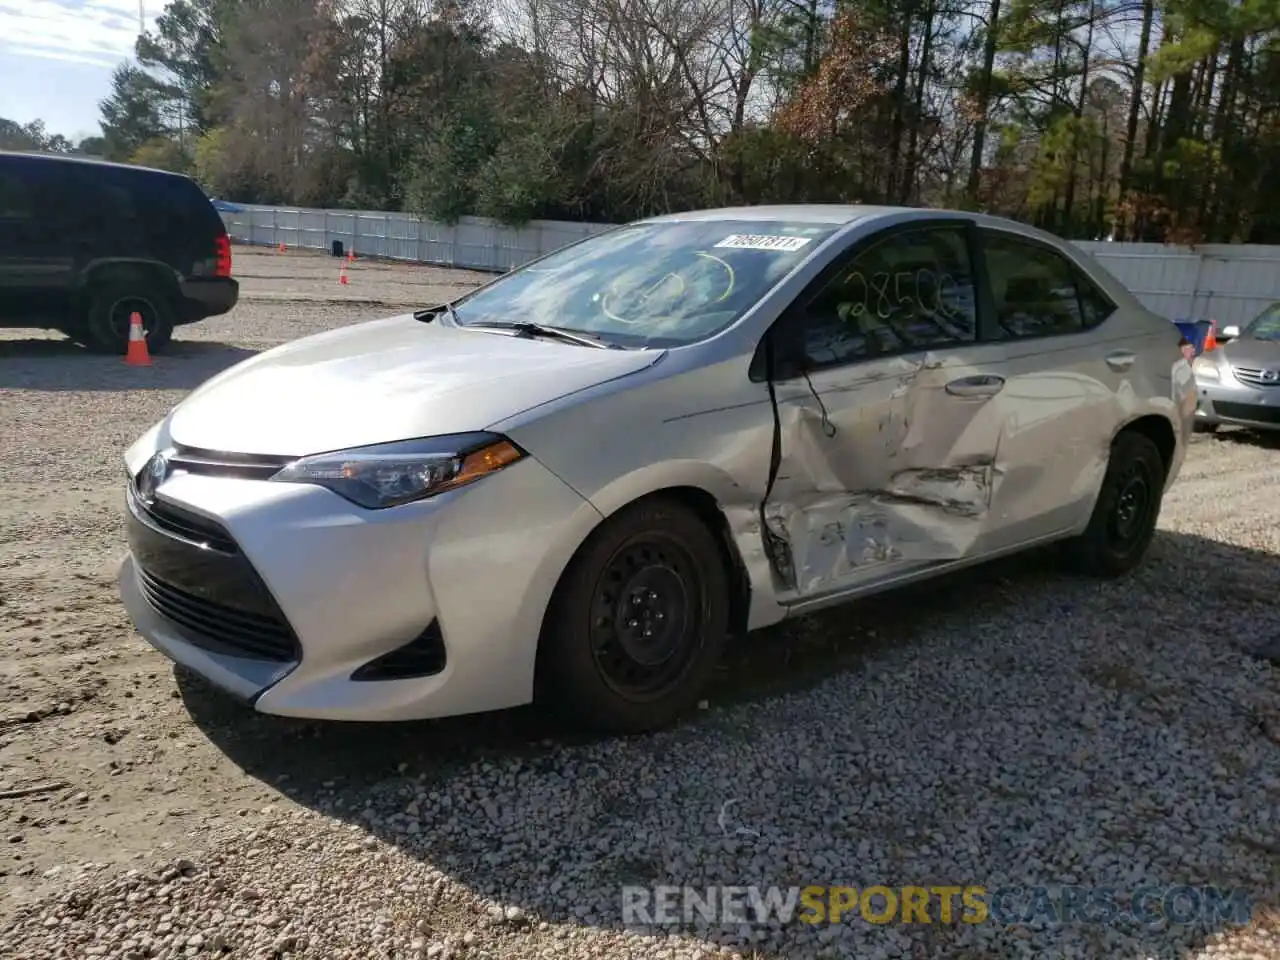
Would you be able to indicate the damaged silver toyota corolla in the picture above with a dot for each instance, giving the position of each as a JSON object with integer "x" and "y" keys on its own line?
{"x": 575, "y": 482}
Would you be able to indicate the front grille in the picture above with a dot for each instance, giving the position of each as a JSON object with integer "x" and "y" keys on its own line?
{"x": 228, "y": 629}
{"x": 189, "y": 526}
{"x": 1247, "y": 411}
{"x": 1257, "y": 376}
{"x": 212, "y": 463}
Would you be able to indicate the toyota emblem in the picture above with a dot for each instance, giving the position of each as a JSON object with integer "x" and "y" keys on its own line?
{"x": 152, "y": 475}
{"x": 1271, "y": 376}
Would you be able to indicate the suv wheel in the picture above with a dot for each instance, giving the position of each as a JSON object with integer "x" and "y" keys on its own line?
{"x": 106, "y": 327}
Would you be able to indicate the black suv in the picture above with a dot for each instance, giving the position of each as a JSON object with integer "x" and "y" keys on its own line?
{"x": 85, "y": 244}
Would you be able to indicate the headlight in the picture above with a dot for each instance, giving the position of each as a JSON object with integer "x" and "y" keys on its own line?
{"x": 1205, "y": 369}
{"x": 389, "y": 474}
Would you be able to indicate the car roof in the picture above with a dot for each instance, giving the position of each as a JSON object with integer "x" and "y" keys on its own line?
{"x": 87, "y": 161}
{"x": 842, "y": 214}
{"x": 829, "y": 213}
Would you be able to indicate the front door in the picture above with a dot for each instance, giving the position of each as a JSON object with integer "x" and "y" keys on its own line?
{"x": 889, "y": 431}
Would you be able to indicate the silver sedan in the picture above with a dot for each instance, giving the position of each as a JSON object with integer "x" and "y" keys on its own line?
{"x": 1239, "y": 382}
{"x": 575, "y": 483}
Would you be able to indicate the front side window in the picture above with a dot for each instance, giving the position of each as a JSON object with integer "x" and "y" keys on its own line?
{"x": 910, "y": 291}
{"x": 651, "y": 284}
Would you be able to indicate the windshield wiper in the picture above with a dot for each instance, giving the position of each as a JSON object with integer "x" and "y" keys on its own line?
{"x": 429, "y": 314}
{"x": 527, "y": 328}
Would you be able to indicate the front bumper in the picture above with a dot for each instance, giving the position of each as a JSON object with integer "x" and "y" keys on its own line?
{"x": 349, "y": 586}
{"x": 1229, "y": 402}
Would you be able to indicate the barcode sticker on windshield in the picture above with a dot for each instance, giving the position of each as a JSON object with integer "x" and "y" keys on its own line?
{"x": 755, "y": 241}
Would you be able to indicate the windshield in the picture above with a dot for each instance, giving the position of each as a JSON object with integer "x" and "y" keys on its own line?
{"x": 650, "y": 284}
{"x": 1266, "y": 325}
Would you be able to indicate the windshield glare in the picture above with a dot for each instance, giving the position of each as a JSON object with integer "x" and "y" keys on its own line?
{"x": 1265, "y": 326}
{"x": 650, "y": 284}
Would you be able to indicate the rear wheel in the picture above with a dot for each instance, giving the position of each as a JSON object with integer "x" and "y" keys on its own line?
{"x": 106, "y": 326}
{"x": 1125, "y": 515}
{"x": 638, "y": 621}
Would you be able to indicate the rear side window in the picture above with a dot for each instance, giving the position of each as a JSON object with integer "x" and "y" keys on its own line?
{"x": 186, "y": 203}
{"x": 118, "y": 201}
{"x": 1038, "y": 292}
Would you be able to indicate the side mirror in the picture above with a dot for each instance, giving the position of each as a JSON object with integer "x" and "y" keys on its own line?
{"x": 1229, "y": 333}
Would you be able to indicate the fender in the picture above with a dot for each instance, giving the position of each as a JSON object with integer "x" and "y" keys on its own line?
{"x": 737, "y": 505}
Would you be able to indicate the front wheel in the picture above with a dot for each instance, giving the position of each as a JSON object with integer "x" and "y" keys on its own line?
{"x": 1124, "y": 518}
{"x": 637, "y": 622}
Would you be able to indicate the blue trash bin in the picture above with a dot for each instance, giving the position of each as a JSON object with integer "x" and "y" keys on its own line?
{"x": 1196, "y": 331}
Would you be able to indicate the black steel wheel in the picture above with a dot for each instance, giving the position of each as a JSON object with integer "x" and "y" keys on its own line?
{"x": 637, "y": 622}
{"x": 1130, "y": 516}
{"x": 647, "y": 616}
{"x": 1128, "y": 508}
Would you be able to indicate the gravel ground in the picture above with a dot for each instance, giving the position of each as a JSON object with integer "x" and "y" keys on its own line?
{"x": 1009, "y": 726}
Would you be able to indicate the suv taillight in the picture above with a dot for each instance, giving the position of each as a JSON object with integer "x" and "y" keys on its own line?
{"x": 222, "y": 256}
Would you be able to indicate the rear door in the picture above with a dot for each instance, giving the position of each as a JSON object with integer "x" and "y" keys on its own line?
{"x": 1064, "y": 370}
{"x": 887, "y": 424}
{"x": 37, "y": 259}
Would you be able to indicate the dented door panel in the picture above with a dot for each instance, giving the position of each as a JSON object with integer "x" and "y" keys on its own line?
{"x": 896, "y": 473}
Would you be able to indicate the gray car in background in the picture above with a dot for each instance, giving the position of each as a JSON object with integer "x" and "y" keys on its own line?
{"x": 1239, "y": 383}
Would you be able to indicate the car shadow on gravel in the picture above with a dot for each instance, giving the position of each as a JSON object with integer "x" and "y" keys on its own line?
{"x": 50, "y": 364}
{"x": 1266, "y": 439}
{"x": 890, "y": 655}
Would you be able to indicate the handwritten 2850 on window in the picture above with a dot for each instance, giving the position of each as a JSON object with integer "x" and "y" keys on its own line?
{"x": 884, "y": 294}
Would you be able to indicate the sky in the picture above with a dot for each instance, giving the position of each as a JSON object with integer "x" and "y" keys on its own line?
{"x": 56, "y": 58}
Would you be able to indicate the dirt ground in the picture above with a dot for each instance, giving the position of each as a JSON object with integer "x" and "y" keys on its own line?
{"x": 85, "y": 702}
{"x": 109, "y": 757}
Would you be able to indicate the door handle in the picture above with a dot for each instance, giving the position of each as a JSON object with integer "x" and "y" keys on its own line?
{"x": 983, "y": 385}
{"x": 1121, "y": 360}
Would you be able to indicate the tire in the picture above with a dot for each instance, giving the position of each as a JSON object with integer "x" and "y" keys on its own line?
{"x": 106, "y": 324}
{"x": 598, "y": 670}
{"x": 1201, "y": 426}
{"x": 1127, "y": 510}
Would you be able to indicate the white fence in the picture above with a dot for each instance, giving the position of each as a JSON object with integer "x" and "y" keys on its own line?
{"x": 1230, "y": 283}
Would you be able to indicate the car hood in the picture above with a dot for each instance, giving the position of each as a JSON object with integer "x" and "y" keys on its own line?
{"x": 1253, "y": 353}
{"x": 388, "y": 380}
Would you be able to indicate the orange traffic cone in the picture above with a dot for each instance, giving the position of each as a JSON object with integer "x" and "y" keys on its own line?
{"x": 351, "y": 256}
{"x": 1211, "y": 338}
{"x": 342, "y": 275}
{"x": 137, "y": 355}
